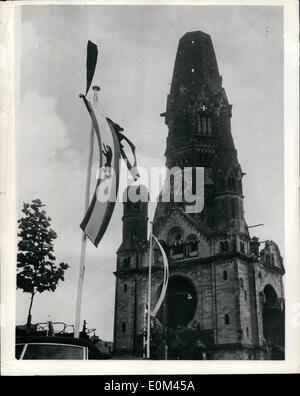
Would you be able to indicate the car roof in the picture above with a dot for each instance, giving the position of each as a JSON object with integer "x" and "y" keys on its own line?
{"x": 60, "y": 340}
{"x": 56, "y": 340}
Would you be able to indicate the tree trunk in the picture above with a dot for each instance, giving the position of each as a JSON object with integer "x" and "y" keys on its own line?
{"x": 28, "y": 325}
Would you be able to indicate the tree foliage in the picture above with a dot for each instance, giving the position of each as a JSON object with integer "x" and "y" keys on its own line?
{"x": 36, "y": 267}
{"x": 157, "y": 340}
{"x": 183, "y": 343}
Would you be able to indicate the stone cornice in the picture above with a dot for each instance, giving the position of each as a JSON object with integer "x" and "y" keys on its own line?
{"x": 186, "y": 263}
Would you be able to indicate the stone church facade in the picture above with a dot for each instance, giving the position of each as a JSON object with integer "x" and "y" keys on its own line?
{"x": 225, "y": 297}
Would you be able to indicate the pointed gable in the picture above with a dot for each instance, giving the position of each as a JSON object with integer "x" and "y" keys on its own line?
{"x": 181, "y": 228}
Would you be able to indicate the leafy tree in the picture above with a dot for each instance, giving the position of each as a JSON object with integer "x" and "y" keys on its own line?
{"x": 36, "y": 268}
{"x": 186, "y": 343}
{"x": 157, "y": 340}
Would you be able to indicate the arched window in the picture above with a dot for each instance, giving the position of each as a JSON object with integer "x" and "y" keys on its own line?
{"x": 134, "y": 230}
{"x": 125, "y": 288}
{"x": 192, "y": 246}
{"x": 241, "y": 283}
{"x": 126, "y": 262}
{"x": 272, "y": 259}
{"x": 225, "y": 275}
{"x": 231, "y": 183}
{"x": 232, "y": 207}
{"x": 175, "y": 240}
{"x": 204, "y": 125}
{"x": 242, "y": 247}
{"x": 224, "y": 246}
{"x": 175, "y": 235}
{"x": 209, "y": 129}
{"x": 123, "y": 327}
{"x": 272, "y": 315}
{"x": 226, "y": 319}
{"x": 247, "y": 331}
{"x": 245, "y": 295}
{"x": 271, "y": 299}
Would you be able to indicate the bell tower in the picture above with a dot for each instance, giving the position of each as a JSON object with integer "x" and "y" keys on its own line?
{"x": 130, "y": 282}
{"x": 224, "y": 294}
{"x": 198, "y": 117}
{"x": 135, "y": 227}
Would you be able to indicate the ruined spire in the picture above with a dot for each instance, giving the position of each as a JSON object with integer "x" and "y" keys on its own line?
{"x": 198, "y": 113}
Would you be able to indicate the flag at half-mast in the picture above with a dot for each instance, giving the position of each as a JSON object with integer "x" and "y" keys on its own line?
{"x": 111, "y": 146}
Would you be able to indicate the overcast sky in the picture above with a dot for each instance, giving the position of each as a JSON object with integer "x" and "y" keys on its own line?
{"x": 137, "y": 47}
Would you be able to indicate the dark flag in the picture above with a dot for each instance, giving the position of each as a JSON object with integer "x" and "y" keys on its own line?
{"x": 91, "y": 61}
{"x": 132, "y": 167}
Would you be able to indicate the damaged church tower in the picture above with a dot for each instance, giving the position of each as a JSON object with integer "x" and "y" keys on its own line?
{"x": 225, "y": 297}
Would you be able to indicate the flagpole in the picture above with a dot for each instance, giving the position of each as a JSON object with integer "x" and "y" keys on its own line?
{"x": 96, "y": 89}
{"x": 144, "y": 327}
{"x": 149, "y": 295}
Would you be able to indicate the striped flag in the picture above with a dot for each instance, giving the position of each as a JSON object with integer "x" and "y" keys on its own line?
{"x": 111, "y": 145}
{"x": 99, "y": 213}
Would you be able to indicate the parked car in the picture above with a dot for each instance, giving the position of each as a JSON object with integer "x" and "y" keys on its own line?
{"x": 50, "y": 348}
